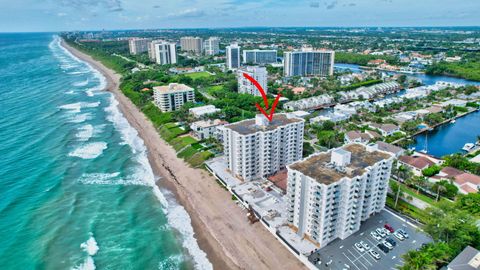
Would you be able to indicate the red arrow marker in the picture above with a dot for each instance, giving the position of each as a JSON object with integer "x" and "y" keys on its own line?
{"x": 264, "y": 96}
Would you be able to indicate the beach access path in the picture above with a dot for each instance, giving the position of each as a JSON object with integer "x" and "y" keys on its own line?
{"x": 221, "y": 227}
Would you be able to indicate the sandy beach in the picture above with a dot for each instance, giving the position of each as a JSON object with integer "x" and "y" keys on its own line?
{"x": 220, "y": 226}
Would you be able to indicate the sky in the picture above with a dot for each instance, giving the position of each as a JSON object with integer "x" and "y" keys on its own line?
{"x": 65, "y": 15}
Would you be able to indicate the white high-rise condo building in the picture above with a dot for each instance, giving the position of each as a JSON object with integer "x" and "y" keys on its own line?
{"x": 259, "y": 56}
{"x": 191, "y": 44}
{"x": 308, "y": 63}
{"x": 165, "y": 53}
{"x": 211, "y": 46}
{"x": 233, "y": 56}
{"x": 138, "y": 45}
{"x": 330, "y": 193}
{"x": 258, "y": 73}
{"x": 172, "y": 97}
{"x": 255, "y": 148}
{"x": 151, "y": 49}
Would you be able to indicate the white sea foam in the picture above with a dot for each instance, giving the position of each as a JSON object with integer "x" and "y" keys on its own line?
{"x": 91, "y": 248}
{"x": 70, "y": 92}
{"x": 171, "y": 262}
{"x": 85, "y": 132}
{"x": 76, "y": 107}
{"x": 80, "y": 118}
{"x": 82, "y": 83}
{"x": 89, "y": 150}
{"x": 109, "y": 179}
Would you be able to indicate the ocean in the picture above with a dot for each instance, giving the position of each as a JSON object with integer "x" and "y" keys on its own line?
{"x": 76, "y": 188}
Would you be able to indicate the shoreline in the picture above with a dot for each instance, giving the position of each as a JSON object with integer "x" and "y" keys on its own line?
{"x": 221, "y": 228}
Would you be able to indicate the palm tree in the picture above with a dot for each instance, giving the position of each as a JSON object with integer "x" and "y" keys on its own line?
{"x": 440, "y": 188}
{"x": 395, "y": 187}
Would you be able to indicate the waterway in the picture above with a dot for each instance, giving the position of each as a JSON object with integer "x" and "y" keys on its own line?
{"x": 445, "y": 139}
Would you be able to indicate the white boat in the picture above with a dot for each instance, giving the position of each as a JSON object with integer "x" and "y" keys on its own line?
{"x": 453, "y": 121}
{"x": 468, "y": 146}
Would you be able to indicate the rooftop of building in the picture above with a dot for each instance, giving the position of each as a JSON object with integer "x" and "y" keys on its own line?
{"x": 468, "y": 259}
{"x": 250, "y": 126}
{"x": 209, "y": 123}
{"x": 320, "y": 168}
{"x": 172, "y": 87}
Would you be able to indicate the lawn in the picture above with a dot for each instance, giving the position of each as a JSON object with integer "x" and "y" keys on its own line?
{"x": 419, "y": 196}
{"x": 181, "y": 142}
{"x": 407, "y": 209}
{"x": 169, "y": 134}
{"x": 212, "y": 90}
{"x": 198, "y": 158}
{"x": 197, "y": 75}
{"x": 187, "y": 153}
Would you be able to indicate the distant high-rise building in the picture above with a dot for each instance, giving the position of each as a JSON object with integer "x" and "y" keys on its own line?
{"x": 260, "y": 74}
{"x": 165, "y": 53}
{"x": 151, "y": 49}
{"x": 255, "y": 148}
{"x": 308, "y": 63}
{"x": 259, "y": 56}
{"x": 138, "y": 45}
{"x": 331, "y": 193}
{"x": 233, "y": 56}
{"x": 211, "y": 46}
{"x": 191, "y": 44}
{"x": 172, "y": 97}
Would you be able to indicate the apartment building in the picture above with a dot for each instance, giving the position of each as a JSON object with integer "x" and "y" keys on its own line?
{"x": 191, "y": 44}
{"x": 233, "y": 56}
{"x": 206, "y": 129}
{"x": 172, "y": 97}
{"x": 211, "y": 46}
{"x": 151, "y": 49}
{"x": 138, "y": 45}
{"x": 165, "y": 53}
{"x": 308, "y": 63}
{"x": 260, "y": 57}
{"x": 330, "y": 193}
{"x": 260, "y": 74}
{"x": 255, "y": 148}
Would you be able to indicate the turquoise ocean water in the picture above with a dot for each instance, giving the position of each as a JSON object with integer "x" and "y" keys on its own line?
{"x": 76, "y": 188}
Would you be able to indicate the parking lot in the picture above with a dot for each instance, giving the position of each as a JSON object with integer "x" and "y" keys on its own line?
{"x": 342, "y": 254}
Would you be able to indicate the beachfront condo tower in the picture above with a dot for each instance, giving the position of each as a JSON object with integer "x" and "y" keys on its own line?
{"x": 138, "y": 45}
{"x": 259, "y": 57}
{"x": 233, "y": 56}
{"x": 172, "y": 97}
{"x": 191, "y": 44}
{"x": 258, "y": 73}
{"x": 308, "y": 63}
{"x": 255, "y": 148}
{"x": 331, "y": 193}
{"x": 211, "y": 46}
{"x": 165, "y": 53}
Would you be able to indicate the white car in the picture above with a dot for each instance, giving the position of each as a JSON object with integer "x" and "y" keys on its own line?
{"x": 403, "y": 233}
{"x": 374, "y": 254}
{"x": 359, "y": 247}
{"x": 387, "y": 232}
{"x": 399, "y": 236}
{"x": 375, "y": 236}
{"x": 388, "y": 245}
{"x": 380, "y": 232}
{"x": 365, "y": 245}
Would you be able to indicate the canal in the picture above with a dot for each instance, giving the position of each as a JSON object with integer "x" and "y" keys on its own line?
{"x": 448, "y": 138}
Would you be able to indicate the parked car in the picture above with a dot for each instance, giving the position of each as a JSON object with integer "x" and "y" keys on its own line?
{"x": 374, "y": 254}
{"x": 391, "y": 241}
{"x": 389, "y": 228}
{"x": 383, "y": 248}
{"x": 380, "y": 232}
{"x": 399, "y": 236}
{"x": 359, "y": 247}
{"x": 387, "y": 232}
{"x": 388, "y": 245}
{"x": 402, "y": 232}
{"x": 365, "y": 245}
{"x": 375, "y": 235}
